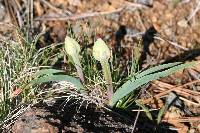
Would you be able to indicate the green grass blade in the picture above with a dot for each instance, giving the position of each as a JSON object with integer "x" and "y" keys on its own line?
{"x": 170, "y": 99}
{"x": 157, "y": 68}
{"x": 57, "y": 78}
{"x": 160, "y": 114}
{"x": 146, "y": 110}
{"x": 47, "y": 72}
{"x": 132, "y": 84}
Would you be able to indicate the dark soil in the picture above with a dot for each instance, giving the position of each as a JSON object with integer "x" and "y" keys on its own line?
{"x": 75, "y": 118}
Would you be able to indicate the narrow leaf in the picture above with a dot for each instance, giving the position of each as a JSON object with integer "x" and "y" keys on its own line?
{"x": 160, "y": 113}
{"x": 170, "y": 99}
{"x": 146, "y": 110}
{"x": 156, "y": 69}
{"x": 47, "y": 72}
{"x": 57, "y": 78}
{"x": 133, "y": 84}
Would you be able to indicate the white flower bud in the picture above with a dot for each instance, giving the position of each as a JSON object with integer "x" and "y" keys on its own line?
{"x": 71, "y": 46}
{"x": 101, "y": 51}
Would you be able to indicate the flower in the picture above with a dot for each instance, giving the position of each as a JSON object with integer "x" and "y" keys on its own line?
{"x": 101, "y": 51}
{"x": 71, "y": 46}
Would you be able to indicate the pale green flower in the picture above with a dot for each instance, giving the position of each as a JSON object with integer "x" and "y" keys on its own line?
{"x": 73, "y": 48}
{"x": 101, "y": 51}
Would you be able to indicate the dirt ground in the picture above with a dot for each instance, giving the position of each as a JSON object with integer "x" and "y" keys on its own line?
{"x": 168, "y": 29}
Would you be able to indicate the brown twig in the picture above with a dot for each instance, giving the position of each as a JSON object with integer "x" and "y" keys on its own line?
{"x": 16, "y": 9}
{"x": 142, "y": 110}
{"x": 93, "y": 14}
{"x": 172, "y": 43}
{"x": 18, "y": 4}
{"x": 79, "y": 16}
{"x": 58, "y": 10}
{"x": 135, "y": 122}
{"x": 31, "y": 13}
{"x": 10, "y": 10}
{"x": 193, "y": 13}
{"x": 136, "y": 5}
{"x": 184, "y": 119}
{"x": 180, "y": 89}
{"x": 173, "y": 89}
{"x": 140, "y": 21}
{"x": 194, "y": 73}
{"x": 188, "y": 101}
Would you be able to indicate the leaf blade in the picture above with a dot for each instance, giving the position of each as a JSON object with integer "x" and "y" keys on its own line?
{"x": 156, "y": 69}
{"x": 132, "y": 84}
{"x": 57, "y": 78}
{"x": 170, "y": 99}
{"x": 47, "y": 72}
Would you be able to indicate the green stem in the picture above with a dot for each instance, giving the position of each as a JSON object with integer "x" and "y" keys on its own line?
{"x": 78, "y": 68}
{"x": 108, "y": 78}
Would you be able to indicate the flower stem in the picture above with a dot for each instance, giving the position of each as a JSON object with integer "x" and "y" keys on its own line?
{"x": 108, "y": 78}
{"x": 78, "y": 68}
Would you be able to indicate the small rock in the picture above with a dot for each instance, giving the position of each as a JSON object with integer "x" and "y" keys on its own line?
{"x": 2, "y": 11}
{"x": 198, "y": 127}
{"x": 183, "y": 23}
{"x": 34, "y": 121}
{"x": 145, "y": 2}
{"x": 74, "y": 2}
{"x": 192, "y": 131}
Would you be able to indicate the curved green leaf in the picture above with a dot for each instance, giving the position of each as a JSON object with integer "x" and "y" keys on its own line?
{"x": 47, "y": 72}
{"x": 146, "y": 110}
{"x": 133, "y": 84}
{"x": 170, "y": 99}
{"x": 49, "y": 78}
{"x": 157, "y": 68}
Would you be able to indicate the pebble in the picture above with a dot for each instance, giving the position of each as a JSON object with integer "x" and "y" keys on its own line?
{"x": 183, "y": 23}
{"x": 198, "y": 127}
{"x": 2, "y": 11}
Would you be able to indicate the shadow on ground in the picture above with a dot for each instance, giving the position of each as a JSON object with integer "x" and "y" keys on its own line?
{"x": 71, "y": 118}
